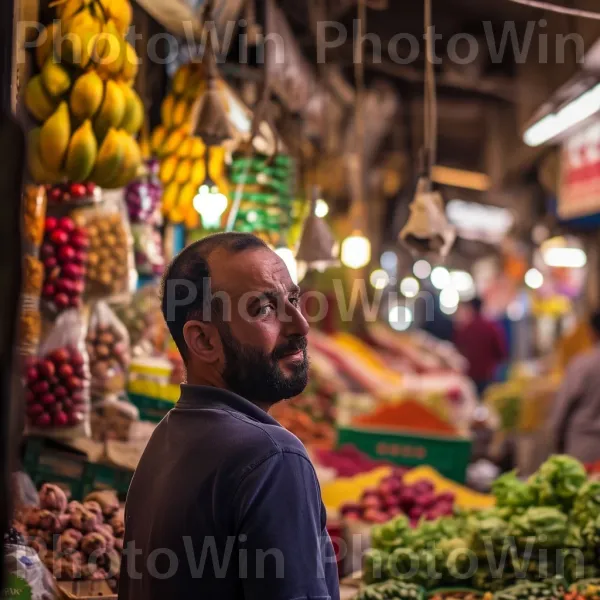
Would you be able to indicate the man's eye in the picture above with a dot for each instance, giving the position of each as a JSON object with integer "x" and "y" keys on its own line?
{"x": 295, "y": 301}
{"x": 265, "y": 310}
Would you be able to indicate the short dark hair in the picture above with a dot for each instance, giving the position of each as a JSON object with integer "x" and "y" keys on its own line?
{"x": 191, "y": 265}
{"x": 595, "y": 322}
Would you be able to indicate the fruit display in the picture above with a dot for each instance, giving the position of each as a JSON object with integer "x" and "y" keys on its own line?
{"x": 82, "y": 98}
{"x": 108, "y": 262}
{"x": 55, "y": 395}
{"x": 107, "y": 345}
{"x": 266, "y": 208}
{"x": 544, "y": 527}
{"x": 393, "y": 496}
{"x": 346, "y": 461}
{"x": 147, "y": 250}
{"x": 64, "y": 254}
{"x": 75, "y": 540}
{"x": 182, "y": 156}
{"x": 143, "y": 196}
{"x": 73, "y": 193}
{"x": 310, "y": 431}
{"x": 391, "y": 590}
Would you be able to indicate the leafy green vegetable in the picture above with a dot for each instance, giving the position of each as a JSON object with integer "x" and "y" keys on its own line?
{"x": 540, "y": 526}
{"x": 375, "y": 566}
{"x": 391, "y": 535}
{"x": 513, "y": 493}
{"x": 587, "y": 503}
{"x": 558, "y": 481}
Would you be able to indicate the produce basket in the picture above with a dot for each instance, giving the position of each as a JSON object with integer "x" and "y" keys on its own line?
{"x": 448, "y": 455}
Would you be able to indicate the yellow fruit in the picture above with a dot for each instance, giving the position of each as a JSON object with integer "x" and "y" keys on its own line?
{"x": 110, "y": 51}
{"x": 175, "y": 215}
{"x": 134, "y": 111}
{"x": 81, "y": 154}
{"x": 43, "y": 50}
{"x": 216, "y": 163}
{"x": 185, "y": 150}
{"x": 55, "y": 136}
{"x": 198, "y": 172}
{"x": 169, "y": 197}
{"x": 192, "y": 219}
{"x": 158, "y": 137}
{"x": 67, "y": 10}
{"x": 111, "y": 111}
{"x": 120, "y": 12}
{"x": 186, "y": 198}
{"x": 76, "y": 43}
{"x": 166, "y": 111}
{"x": 180, "y": 112}
{"x": 55, "y": 78}
{"x": 184, "y": 171}
{"x": 173, "y": 141}
{"x": 37, "y": 101}
{"x": 38, "y": 171}
{"x": 198, "y": 148}
{"x": 167, "y": 169}
{"x": 86, "y": 96}
{"x": 180, "y": 79}
{"x": 130, "y": 63}
{"x": 110, "y": 158}
{"x": 131, "y": 162}
{"x": 196, "y": 86}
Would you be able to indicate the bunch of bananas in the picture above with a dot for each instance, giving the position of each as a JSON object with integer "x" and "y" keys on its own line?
{"x": 181, "y": 154}
{"x": 82, "y": 97}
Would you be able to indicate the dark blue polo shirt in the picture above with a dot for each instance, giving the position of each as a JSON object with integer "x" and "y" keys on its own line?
{"x": 225, "y": 504}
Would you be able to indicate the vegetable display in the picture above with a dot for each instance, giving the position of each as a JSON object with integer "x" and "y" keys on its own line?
{"x": 540, "y": 531}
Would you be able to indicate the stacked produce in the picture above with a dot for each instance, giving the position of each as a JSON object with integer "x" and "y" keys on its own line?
{"x": 393, "y": 497}
{"x": 82, "y": 98}
{"x": 310, "y": 431}
{"x": 266, "y": 208}
{"x": 64, "y": 254}
{"x": 182, "y": 155}
{"x": 347, "y": 461}
{"x": 75, "y": 540}
{"x": 545, "y": 527}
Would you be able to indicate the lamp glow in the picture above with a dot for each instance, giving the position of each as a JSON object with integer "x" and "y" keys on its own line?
{"x": 449, "y": 298}
{"x": 389, "y": 261}
{"x": 379, "y": 279}
{"x": 449, "y": 310}
{"x": 573, "y": 258}
{"x": 440, "y": 277}
{"x": 210, "y": 204}
{"x": 556, "y": 123}
{"x": 409, "y": 287}
{"x": 287, "y": 256}
{"x": 534, "y": 279}
{"x": 422, "y": 269}
{"x": 356, "y": 251}
{"x": 322, "y": 208}
{"x": 400, "y": 317}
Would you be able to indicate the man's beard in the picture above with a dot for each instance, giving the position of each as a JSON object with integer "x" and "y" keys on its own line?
{"x": 257, "y": 376}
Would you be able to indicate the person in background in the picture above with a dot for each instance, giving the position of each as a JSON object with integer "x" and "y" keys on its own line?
{"x": 225, "y": 503}
{"x": 481, "y": 342}
{"x": 574, "y": 423}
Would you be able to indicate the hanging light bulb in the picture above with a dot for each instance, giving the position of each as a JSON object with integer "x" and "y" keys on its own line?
{"x": 209, "y": 202}
{"x": 356, "y": 251}
{"x": 322, "y": 208}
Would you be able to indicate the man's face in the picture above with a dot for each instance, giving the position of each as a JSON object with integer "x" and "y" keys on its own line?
{"x": 262, "y": 331}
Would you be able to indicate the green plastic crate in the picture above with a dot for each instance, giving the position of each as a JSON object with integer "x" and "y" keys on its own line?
{"x": 108, "y": 477}
{"x": 448, "y": 455}
{"x": 151, "y": 409}
{"x": 47, "y": 461}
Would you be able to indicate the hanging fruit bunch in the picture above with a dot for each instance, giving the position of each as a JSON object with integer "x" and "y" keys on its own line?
{"x": 267, "y": 205}
{"x": 82, "y": 97}
{"x": 182, "y": 155}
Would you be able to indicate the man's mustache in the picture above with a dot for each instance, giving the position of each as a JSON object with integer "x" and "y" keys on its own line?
{"x": 293, "y": 345}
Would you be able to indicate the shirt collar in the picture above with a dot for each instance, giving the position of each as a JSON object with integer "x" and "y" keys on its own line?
{"x": 204, "y": 396}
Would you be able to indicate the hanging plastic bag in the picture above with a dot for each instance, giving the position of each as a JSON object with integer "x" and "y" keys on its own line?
{"x": 26, "y": 575}
{"x": 110, "y": 265}
{"x": 107, "y": 345}
{"x": 142, "y": 316}
{"x": 58, "y": 381}
{"x": 148, "y": 251}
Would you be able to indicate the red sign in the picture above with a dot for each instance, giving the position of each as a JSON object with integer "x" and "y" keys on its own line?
{"x": 579, "y": 193}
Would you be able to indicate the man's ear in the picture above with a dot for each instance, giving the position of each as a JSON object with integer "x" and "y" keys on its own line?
{"x": 202, "y": 340}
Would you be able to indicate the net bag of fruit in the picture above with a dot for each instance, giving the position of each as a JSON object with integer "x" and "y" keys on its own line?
{"x": 107, "y": 345}
{"x": 57, "y": 381}
{"x": 25, "y": 574}
{"x": 110, "y": 264}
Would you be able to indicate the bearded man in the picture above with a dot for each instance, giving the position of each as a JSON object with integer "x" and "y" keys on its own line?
{"x": 225, "y": 503}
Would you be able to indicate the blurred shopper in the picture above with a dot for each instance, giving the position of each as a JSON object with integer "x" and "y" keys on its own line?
{"x": 575, "y": 418}
{"x": 481, "y": 342}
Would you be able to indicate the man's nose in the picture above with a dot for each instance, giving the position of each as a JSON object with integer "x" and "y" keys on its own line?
{"x": 294, "y": 322}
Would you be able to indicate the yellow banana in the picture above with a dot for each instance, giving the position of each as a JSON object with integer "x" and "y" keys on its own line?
{"x": 112, "y": 110}
{"x": 166, "y": 111}
{"x": 110, "y": 158}
{"x": 86, "y": 95}
{"x": 81, "y": 154}
{"x": 134, "y": 111}
{"x": 38, "y": 171}
{"x": 37, "y": 101}
{"x": 54, "y": 137}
